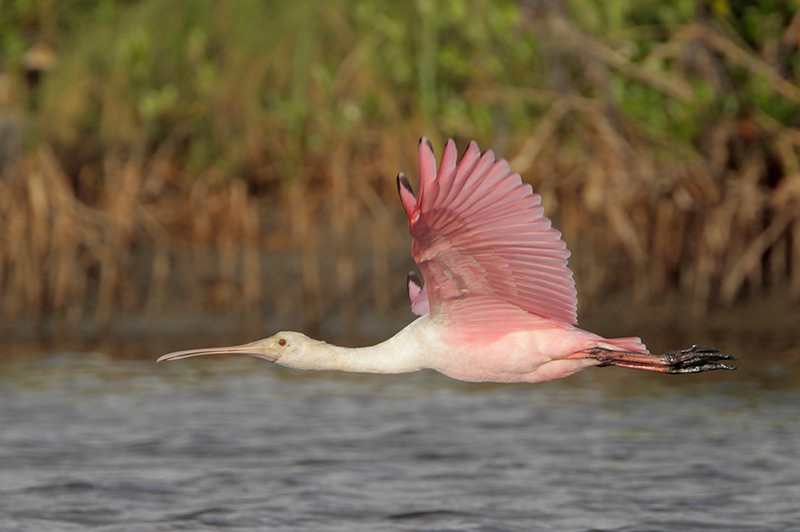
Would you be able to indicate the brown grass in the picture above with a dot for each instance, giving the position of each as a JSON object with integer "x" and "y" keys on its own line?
{"x": 315, "y": 228}
{"x": 331, "y": 242}
{"x": 149, "y": 245}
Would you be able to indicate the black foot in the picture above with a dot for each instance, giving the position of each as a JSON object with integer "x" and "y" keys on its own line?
{"x": 696, "y": 359}
{"x": 690, "y": 360}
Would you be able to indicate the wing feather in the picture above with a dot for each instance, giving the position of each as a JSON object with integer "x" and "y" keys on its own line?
{"x": 485, "y": 248}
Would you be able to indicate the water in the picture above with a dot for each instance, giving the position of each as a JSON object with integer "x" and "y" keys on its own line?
{"x": 95, "y": 442}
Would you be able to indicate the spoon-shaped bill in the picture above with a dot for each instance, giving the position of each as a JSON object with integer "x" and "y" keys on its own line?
{"x": 253, "y": 349}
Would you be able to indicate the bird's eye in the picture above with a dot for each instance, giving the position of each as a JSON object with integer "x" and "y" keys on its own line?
{"x": 281, "y": 342}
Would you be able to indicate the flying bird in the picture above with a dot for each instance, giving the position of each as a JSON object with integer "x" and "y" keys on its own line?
{"x": 498, "y": 303}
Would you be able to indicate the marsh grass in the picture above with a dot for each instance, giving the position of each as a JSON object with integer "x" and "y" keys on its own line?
{"x": 215, "y": 156}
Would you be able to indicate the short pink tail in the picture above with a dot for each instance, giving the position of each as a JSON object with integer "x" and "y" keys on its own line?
{"x": 630, "y": 343}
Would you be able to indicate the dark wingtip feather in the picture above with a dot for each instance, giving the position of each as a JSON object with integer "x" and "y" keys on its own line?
{"x": 402, "y": 181}
{"x": 426, "y": 141}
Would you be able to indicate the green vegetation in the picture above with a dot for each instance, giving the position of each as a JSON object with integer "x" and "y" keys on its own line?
{"x": 174, "y": 149}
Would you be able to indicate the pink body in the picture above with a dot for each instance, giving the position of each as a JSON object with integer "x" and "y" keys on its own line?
{"x": 533, "y": 355}
{"x": 522, "y": 356}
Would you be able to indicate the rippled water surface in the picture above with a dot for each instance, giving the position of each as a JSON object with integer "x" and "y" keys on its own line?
{"x": 95, "y": 441}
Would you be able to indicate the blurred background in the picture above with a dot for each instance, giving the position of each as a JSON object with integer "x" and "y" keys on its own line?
{"x": 191, "y": 159}
{"x": 195, "y": 172}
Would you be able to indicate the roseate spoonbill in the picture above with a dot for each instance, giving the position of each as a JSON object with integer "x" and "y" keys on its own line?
{"x": 498, "y": 303}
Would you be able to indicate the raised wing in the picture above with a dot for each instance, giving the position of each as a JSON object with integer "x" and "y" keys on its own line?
{"x": 482, "y": 241}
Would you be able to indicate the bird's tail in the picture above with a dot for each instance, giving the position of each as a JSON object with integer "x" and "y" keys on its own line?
{"x": 629, "y": 343}
{"x": 690, "y": 360}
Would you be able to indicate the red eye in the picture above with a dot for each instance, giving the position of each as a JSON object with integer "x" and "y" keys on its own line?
{"x": 281, "y": 342}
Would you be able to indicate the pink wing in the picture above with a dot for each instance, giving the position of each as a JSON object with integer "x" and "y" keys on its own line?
{"x": 485, "y": 248}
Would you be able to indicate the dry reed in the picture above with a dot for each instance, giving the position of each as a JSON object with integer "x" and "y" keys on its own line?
{"x": 313, "y": 227}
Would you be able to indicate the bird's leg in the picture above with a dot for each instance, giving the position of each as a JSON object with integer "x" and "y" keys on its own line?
{"x": 690, "y": 360}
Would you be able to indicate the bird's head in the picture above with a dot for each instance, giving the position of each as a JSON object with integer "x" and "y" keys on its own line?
{"x": 285, "y": 348}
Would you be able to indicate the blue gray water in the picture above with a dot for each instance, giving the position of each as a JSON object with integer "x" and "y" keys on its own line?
{"x": 93, "y": 441}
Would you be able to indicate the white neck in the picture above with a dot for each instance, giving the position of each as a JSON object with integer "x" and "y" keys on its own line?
{"x": 402, "y": 353}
